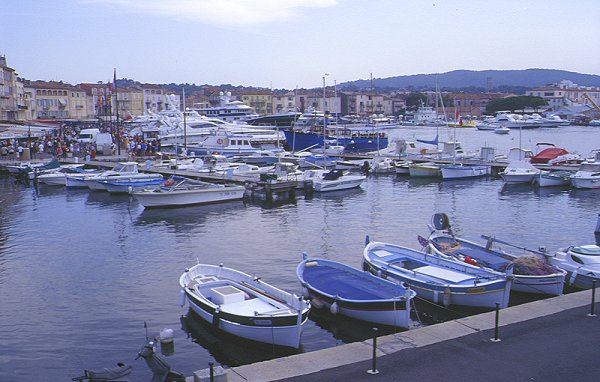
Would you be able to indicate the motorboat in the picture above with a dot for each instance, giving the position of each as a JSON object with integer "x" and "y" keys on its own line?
{"x": 181, "y": 192}
{"x": 531, "y": 273}
{"x": 519, "y": 172}
{"x": 129, "y": 186}
{"x": 462, "y": 171}
{"x": 402, "y": 167}
{"x": 550, "y": 154}
{"x": 57, "y": 177}
{"x": 332, "y": 180}
{"x": 227, "y": 143}
{"x": 501, "y": 130}
{"x": 383, "y": 165}
{"x": 588, "y": 175}
{"x": 229, "y": 110}
{"x": 243, "y": 305}
{"x": 437, "y": 279}
{"x": 424, "y": 170}
{"x": 126, "y": 172}
{"x": 582, "y": 264}
{"x": 553, "y": 178}
{"x": 354, "y": 293}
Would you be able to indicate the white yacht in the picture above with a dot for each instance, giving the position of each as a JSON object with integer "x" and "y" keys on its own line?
{"x": 228, "y": 110}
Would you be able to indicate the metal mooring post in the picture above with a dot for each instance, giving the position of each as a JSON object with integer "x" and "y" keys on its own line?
{"x": 374, "y": 367}
{"x": 211, "y": 366}
{"x": 593, "y": 307}
{"x": 496, "y": 339}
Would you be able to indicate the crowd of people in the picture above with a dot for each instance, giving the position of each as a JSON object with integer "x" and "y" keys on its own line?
{"x": 64, "y": 143}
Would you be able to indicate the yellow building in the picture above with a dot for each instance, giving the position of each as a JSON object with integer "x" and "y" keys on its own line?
{"x": 261, "y": 101}
{"x": 51, "y": 99}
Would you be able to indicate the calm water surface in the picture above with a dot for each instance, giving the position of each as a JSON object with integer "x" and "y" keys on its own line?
{"x": 81, "y": 272}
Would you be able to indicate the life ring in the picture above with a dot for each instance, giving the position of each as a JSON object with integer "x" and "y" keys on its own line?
{"x": 220, "y": 141}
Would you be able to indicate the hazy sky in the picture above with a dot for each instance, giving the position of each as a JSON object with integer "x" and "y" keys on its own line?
{"x": 289, "y": 43}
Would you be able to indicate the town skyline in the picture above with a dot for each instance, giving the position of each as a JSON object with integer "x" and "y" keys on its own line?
{"x": 276, "y": 44}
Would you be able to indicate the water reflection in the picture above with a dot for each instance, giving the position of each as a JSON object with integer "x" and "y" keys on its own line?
{"x": 424, "y": 182}
{"x": 185, "y": 217}
{"x": 348, "y": 330}
{"x": 226, "y": 348}
{"x": 545, "y": 192}
{"x": 106, "y": 199}
{"x": 516, "y": 189}
{"x": 585, "y": 198}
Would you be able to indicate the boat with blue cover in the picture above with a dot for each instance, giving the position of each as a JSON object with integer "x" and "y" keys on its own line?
{"x": 129, "y": 186}
{"x": 437, "y": 279}
{"x": 352, "y": 139}
{"x": 531, "y": 273}
{"x": 354, "y": 293}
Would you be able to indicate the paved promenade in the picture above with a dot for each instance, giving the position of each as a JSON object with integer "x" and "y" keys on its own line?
{"x": 546, "y": 340}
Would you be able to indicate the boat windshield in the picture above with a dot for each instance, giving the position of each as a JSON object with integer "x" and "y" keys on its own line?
{"x": 589, "y": 250}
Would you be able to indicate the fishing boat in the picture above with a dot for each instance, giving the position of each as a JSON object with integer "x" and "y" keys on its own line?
{"x": 332, "y": 180}
{"x": 424, "y": 170}
{"x": 582, "y": 264}
{"x": 553, "y": 178}
{"x": 437, "y": 279}
{"x": 531, "y": 273}
{"x": 354, "y": 293}
{"x": 462, "y": 171}
{"x": 181, "y": 192}
{"x": 121, "y": 169}
{"x": 58, "y": 176}
{"x": 244, "y": 305}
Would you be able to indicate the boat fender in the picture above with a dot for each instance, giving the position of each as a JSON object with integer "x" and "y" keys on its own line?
{"x": 573, "y": 277}
{"x": 436, "y": 296}
{"x": 220, "y": 141}
{"x": 305, "y": 292}
{"x": 334, "y": 308}
{"x": 447, "y": 299}
{"x": 216, "y": 318}
{"x": 182, "y": 297}
{"x": 470, "y": 260}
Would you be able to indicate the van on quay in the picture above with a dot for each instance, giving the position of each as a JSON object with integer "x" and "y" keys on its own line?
{"x": 88, "y": 135}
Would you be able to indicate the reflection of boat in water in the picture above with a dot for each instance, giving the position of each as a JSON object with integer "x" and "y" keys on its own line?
{"x": 184, "y": 218}
{"x": 228, "y": 349}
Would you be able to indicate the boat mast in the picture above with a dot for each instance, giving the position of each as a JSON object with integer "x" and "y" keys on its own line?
{"x": 117, "y": 112}
{"x": 324, "y": 113}
{"x": 184, "y": 123}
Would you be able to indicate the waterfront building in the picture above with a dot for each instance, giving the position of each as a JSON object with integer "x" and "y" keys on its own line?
{"x": 51, "y": 99}
{"x": 366, "y": 103}
{"x": 130, "y": 101}
{"x": 260, "y": 100}
{"x": 313, "y": 100}
{"x": 154, "y": 98}
{"x": 284, "y": 102}
{"x": 8, "y": 96}
{"x": 98, "y": 100}
{"x": 567, "y": 93}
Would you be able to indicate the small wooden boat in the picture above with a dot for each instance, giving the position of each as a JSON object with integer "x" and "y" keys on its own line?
{"x": 243, "y": 305}
{"x": 582, "y": 264}
{"x": 129, "y": 186}
{"x": 531, "y": 273}
{"x": 553, "y": 178}
{"x": 424, "y": 170}
{"x": 181, "y": 192}
{"x": 355, "y": 293}
{"x": 437, "y": 279}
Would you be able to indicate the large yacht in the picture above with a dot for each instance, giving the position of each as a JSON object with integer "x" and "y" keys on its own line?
{"x": 228, "y": 110}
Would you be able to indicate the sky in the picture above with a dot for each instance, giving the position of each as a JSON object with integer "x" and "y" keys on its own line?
{"x": 292, "y": 43}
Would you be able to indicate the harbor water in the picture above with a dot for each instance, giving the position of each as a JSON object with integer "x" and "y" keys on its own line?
{"x": 82, "y": 272}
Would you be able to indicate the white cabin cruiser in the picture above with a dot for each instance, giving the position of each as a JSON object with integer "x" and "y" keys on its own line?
{"x": 582, "y": 264}
{"x": 587, "y": 176}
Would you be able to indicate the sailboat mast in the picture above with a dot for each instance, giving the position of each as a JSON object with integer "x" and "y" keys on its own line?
{"x": 184, "y": 123}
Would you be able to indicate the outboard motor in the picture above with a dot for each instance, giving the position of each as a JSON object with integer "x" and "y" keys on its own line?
{"x": 161, "y": 370}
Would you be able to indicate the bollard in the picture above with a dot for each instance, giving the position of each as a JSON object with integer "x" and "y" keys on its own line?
{"x": 593, "y": 307}
{"x": 212, "y": 371}
{"x": 496, "y": 339}
{"x": 374, "y": 367}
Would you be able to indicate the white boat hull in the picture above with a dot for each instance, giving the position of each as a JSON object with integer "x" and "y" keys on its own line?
{"x": 550, "y": 180}
{"x": 577, "y": 182}
{"x": 344, "y": 184}
{"x": 466, "y": 171}
{"x": 424, "y": 171}
{"x": 517, "y": 178}
{"x": 178, "y": 198}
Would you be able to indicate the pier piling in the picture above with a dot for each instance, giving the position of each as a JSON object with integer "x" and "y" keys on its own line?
{"x": 374, "y": 366}
{"x": 496, "y": 326}
{"x": 593, "y": 305}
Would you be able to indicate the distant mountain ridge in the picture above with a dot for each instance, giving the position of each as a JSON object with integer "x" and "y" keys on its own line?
{"x": 484, "y": 79}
